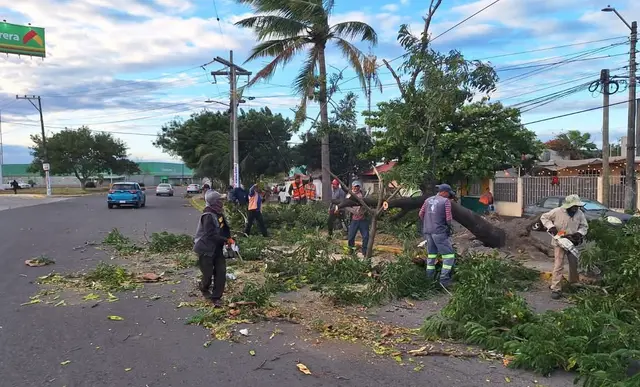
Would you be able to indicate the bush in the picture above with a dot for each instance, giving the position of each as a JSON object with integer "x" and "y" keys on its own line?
{"x": 597, "y": 337}
{"x": 90, "y": 184}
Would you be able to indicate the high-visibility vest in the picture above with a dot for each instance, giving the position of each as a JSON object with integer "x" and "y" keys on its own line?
{"x": 298, "y": 191}
{"x": 310, "y": 190}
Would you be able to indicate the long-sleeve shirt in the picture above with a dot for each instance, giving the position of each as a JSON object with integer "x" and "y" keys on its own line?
{"x": 211, "y": 234}
{"x": 560, "y": 219}
{"x": 337, "y": 193}
{"x": 255, "y": 199}
{"x": 436, "y": 215}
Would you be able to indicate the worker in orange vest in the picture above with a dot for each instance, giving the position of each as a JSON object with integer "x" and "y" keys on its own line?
{"x": 297, "y": 191}
{"x": 310, "y": 190}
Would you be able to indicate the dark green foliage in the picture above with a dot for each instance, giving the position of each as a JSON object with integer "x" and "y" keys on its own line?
{"x": 597, "y": 337}
{"x": 162, "y": 242}
{"x": 110, "y": 277}
{"x": 122, "y": 244}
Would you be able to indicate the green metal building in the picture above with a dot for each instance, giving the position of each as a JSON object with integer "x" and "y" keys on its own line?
{"x": 152, "y": 173}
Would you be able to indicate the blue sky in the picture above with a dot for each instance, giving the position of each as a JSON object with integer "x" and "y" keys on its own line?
{"x": 128, "y": 66}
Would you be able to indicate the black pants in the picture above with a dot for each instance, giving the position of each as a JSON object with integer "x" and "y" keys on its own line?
{"x": 213, "y": 267}
{"x": 255, "y": 216}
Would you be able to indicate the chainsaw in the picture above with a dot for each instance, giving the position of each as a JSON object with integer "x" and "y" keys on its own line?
{"x": 566, "y": 244}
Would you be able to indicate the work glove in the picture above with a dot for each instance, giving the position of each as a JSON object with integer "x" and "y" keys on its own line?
{"x": 553, "y": 231}
{"x": 576, "y": 238}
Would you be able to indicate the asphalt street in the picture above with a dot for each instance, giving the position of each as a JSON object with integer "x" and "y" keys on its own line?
{"x": 153, "y": 346}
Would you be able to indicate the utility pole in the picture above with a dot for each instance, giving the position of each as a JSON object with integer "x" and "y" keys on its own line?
{"x": 606, "y": 181}
{"x": 233, "y": 72}
{"x": 45, "y": 156}
{"x": 630, "y": 171}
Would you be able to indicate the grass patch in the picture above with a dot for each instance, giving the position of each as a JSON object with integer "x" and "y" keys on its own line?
{"x": 185, "y": 261}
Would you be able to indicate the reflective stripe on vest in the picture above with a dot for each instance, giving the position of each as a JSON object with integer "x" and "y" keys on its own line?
{"x": 311, "y": 191}
{"x": 298, "y": 191}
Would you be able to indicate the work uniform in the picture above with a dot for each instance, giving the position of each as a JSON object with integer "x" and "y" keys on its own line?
{"x": 297, "y": 192}
{"x": 255, "y": 212}
{"x": 436, "y": 228}
{"x": 310, "y": 191}
{"x": 211, "y": 235}
{"x": 566, "y": 225}
{"x": 337, "y": 194}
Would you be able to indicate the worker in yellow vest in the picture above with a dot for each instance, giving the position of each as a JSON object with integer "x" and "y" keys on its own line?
{"x": 297, "y": 191}
{"x": 310, "y": 190}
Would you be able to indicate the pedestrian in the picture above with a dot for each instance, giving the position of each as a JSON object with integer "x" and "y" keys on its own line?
{"x": 254, "y": 213}
{"x": 211, "y": 236}
{"x": 15, "y": 186}
{"x": 437, "y": 229}
{"x": 359, "y": 221}
{"x": 283, "y": 196}
{"x": 297, "y": 191}
{"x": 486, "y": 199}
{"x": 567, "y": 221}
{"x": 310, "y": 190}
{"x": 337, "y": 195}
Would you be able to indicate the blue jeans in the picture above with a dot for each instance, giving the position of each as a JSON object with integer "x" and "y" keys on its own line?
{"x": 440, "y": 244}
{"x": 363, "y": 227}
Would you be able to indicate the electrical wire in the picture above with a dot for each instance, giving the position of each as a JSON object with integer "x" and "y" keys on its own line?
{"x": 573, "y": 113}
{"x": 552, "y": 48}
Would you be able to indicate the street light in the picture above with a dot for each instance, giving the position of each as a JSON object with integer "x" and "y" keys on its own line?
{"x": 630, "y": 173}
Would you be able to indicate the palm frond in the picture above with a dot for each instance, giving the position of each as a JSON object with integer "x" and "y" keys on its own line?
{"x": 304, "y": 85}
{"x": 355, "y": 58}
{"x": 355, "y": 29}
{"x": 269, "y": 26}
{"x": 370, "y": 69}
{"x": 282, "y": 50}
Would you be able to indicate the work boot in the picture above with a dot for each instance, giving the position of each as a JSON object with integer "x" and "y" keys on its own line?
{"x": 204, "y": 290}
{"x": 556, "y": 295}
{"x": 217, "y": 303}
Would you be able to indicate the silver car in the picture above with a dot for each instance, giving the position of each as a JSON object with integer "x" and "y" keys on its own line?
{"x": 164, "y": 189}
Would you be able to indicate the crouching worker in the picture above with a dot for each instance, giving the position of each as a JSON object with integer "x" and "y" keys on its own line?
{"x": 569, "y": 222}
{"x": 212, "y": 235}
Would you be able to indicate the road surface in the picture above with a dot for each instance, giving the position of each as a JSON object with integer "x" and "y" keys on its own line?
{"x": 153, "y": 346}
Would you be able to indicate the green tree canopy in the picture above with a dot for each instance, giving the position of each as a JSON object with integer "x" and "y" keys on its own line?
{"x": 202, "y": 142}
{"x": 350, "y": 143}
{"x": 574, "y": 144}
{"x": 82, "y": 153}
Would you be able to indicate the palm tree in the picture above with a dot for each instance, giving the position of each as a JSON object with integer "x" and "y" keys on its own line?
{"x": 372, "y": 79}
{"x": 289, "y": 27}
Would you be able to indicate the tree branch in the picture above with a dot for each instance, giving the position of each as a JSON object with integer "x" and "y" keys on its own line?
{"x": 395, "y": 76}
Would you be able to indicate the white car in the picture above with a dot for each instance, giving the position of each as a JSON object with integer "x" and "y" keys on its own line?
{"x": 194, "y": 188}
{"x": 164, "y": 189}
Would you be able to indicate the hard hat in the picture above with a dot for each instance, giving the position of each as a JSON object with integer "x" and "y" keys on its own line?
{"x": 356, "y": 183}
{"x": 335, "y": 182}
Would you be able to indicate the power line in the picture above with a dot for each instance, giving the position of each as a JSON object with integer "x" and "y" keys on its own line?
{"x": 560, "y": 62}
{"x": 551, "y": 48}
{"x": 573, "y": 113}
{"x": 466, "y": 19}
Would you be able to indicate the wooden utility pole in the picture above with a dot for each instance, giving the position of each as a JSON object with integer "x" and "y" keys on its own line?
{"x": 233, "y": 72}
{"x": 45, "y": 156}
{"x": 606, "y": 171}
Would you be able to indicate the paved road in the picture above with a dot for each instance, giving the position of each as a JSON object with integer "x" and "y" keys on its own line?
{"x": 8, "y": 202}
{"x": 153, "y": 340}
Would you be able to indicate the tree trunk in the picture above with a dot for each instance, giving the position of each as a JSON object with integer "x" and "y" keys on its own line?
{"x": 325, "y": 154}
{"x": 487, "y": 233}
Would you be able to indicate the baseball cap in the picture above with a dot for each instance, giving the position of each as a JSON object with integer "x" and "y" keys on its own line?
{"x": 446, "y": 188}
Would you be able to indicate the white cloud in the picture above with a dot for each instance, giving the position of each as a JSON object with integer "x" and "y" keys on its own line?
{"x": 390, "y": 7}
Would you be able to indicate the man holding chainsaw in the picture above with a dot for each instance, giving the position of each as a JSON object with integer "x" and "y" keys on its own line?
{"x": 565, "y": 222}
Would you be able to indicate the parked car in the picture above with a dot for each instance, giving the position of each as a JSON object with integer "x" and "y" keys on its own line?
{"x": 164, "y": 189}
{"x": 24, "y": 185}
{"x": 592, "y": 210}
{"x": 126, "y": 194}
{"x": 194, "y": 188}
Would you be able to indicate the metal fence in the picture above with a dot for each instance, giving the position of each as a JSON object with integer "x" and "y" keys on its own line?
{"x": 537, "y": 187}
{"x": 616, "y": 192}
{"x": 505, "y": 189}
{"x": 475, "y": 189}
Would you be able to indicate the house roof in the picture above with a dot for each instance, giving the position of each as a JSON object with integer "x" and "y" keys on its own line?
{"x": 556, "y": 165}
{"x": 382, "y": 168}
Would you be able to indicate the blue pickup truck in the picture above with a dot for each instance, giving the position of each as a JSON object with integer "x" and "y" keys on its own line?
{"x": 126, "y": 194}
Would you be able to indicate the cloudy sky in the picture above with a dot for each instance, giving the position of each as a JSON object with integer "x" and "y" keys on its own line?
{"x": 128, "y": 66}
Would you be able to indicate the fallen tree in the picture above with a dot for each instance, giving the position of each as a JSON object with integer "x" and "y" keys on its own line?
{"x": 515, "y": 237}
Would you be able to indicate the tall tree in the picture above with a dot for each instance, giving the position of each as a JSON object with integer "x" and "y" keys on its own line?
{"x": 574, "y": 144}
{"x": 83, "y": 153}
{"x": 289, "y": 27}
{"x": 202, "y": 142}
{"x": 350, "y": 143}
{"x": 372, "y": 79}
